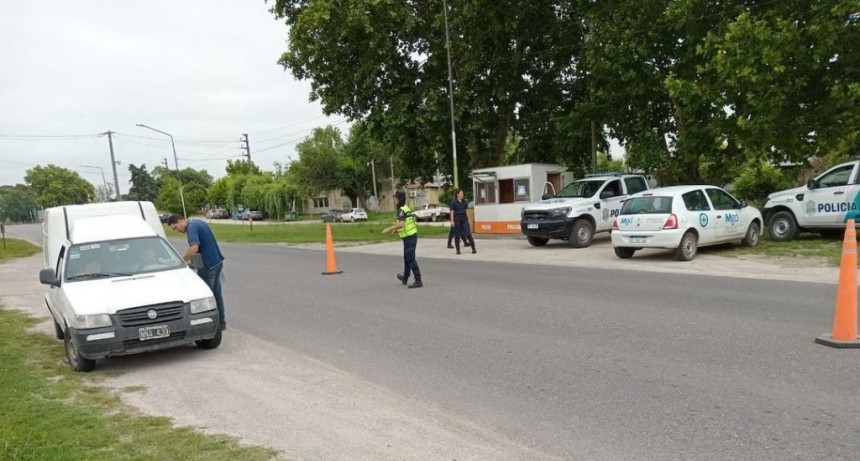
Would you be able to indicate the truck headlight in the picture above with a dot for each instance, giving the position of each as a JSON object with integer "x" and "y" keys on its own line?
{"x": 558, "y": 212}
{"x": 92, "y": 321}
{"x": 203, "y": 305}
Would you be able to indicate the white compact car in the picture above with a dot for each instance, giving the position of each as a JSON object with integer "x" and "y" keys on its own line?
{"x": 684, "y": 218}
{"x": 353, "y": 215}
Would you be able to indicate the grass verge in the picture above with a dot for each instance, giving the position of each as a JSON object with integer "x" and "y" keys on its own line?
{"x": 369, "y": 232}
{"x": 15, "y": 248}
{"x": 827, "y": 250}
{"x": 49, "y": 412}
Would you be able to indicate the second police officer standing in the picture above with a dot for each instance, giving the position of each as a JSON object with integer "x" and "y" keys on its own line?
{"x": 408, "y": 232}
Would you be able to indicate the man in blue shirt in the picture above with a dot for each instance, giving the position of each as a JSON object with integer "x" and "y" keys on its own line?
{"x": 202, "y": 241}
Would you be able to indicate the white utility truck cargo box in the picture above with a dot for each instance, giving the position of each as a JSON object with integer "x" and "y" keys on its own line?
{"x": 116, "y": 286}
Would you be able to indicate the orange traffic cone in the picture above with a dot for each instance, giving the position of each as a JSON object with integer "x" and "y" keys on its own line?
{"x": 330, "y": 263}
{"x": 845, "y": 319}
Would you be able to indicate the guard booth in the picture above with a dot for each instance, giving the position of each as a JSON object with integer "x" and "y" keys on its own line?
{"x": 500, "y": 193}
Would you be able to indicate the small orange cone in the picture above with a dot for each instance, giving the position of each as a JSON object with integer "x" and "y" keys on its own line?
{"x": 330, "y": 263}
{"x": 845, "y": 319}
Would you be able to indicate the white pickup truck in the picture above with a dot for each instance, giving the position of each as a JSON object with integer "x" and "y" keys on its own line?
{"x": 823, "y": 205}
{"x": 431, "y": 212}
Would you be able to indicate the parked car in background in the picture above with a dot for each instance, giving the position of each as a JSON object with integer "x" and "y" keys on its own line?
{"x": 683, "y": 218}
{"x": 238, "y": 215}
{"x": 217, "y": 213}
{"x": 253, "y": 215}
{"x": 163, "y": 217}
{"x": 431, "y": 212}
{"x": 331, "y": 215}
{"x": 353, "y": 215}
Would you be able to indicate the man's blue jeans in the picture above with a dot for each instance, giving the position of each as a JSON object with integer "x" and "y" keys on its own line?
{"x": 410, "y": 265}
{"x": 212, "y": 277}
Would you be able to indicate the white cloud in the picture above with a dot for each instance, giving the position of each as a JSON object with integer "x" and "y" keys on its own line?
{"x": 201, "y": 70}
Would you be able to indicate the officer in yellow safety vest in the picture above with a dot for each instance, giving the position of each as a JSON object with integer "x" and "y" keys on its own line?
{"x": 408, "y": 232}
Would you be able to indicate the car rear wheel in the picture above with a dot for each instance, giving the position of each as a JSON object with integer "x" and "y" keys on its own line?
{"x": 624, "y": 253}
{"x": 783, "y": 227}
{"x": 212, "y": 343}
{"x": 752, "y": 236}
{"x": 581, "y": 234}
{"x": 537, "y": 241}
{"x": 77, "y": 362}
{"x": 688, "y": 248}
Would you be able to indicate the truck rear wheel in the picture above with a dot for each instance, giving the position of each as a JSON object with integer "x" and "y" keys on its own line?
{"x": 624, "y": 252}
{"x": 77, "y": 362}
{"x": 581, "y": 234}
{"x": 783, "y": 227}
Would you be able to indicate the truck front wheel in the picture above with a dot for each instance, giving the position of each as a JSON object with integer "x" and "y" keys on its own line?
{"x": 208, "y": 344}
{"x": 77, "y": 362}
{"x": 537, "y": 241}
{"x": 783, "y": 227}
{"x": 581, "y": 234}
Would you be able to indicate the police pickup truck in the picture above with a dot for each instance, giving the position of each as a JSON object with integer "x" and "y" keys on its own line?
{"x": 823, "y": 205}
{"x": 580, "y": 209}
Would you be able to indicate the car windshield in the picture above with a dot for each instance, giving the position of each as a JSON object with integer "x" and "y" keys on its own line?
{"x": 584, "y": 188}
{"x": 120, "y": 258}
{"x": 647, "y": 205}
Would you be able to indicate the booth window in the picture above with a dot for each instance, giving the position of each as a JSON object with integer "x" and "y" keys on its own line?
{"x": 513, "y": 190}
{"x": 486, "y": 193}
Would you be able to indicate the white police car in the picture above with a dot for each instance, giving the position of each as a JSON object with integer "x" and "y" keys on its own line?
{"x": 683, "y": 218}
{"x": 823, "y": 205}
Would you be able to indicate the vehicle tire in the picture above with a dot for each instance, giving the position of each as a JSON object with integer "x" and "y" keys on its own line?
{"x": 624, "y": 252}
{"x": 537, "y": 241}
{"x": 434, "y": 218}
{"x": 208, "y": 344}
{"x": 581, "y": 234}
{"x": 783, "y": 227}
{"x": 352, "y": 219}
{"x": 752, "y": 236}
{"x": 688, "y": 248}
{"x": 77, "y": 362}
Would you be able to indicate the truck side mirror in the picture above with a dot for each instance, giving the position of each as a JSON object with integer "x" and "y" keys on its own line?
{"x": 812, "y": 184}
{"x": 607, "y": 194}
{"x": 546, "y": 196}
{"x": 47, "y": 277}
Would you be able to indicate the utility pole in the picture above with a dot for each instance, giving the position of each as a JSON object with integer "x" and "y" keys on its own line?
{"x": 451, "y": 93}
{"x": 166, "y": 166}
{"x": 113, "y": 161}
{"x": 593, "y": 148}
{"x": 246, "y": 148}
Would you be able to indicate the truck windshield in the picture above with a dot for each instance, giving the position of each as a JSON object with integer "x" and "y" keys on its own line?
{"x": 584, "y": 188}
{"x": 119, "y": 258}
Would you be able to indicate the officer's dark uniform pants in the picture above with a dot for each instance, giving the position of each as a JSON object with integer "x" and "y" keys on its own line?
{"x": 410, "y": 265}
{"x": 462, "y": 231}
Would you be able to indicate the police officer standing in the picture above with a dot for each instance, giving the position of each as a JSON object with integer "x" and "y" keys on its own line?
{"x": 460, "y": 221}
{"x": 408, "y": 232}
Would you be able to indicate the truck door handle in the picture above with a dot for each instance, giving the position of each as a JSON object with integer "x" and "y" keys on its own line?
{"x": 719, "y": 216}
{"x": 839, "y": 192}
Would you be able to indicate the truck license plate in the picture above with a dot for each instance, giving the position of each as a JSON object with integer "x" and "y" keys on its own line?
{"x": 532, "y": 225}
{"x": 158, "y": 331}
{"x": 638, "y": 239}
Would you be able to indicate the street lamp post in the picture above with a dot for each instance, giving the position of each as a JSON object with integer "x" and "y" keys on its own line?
{"x": 373, "y": 172}
{"x": 451, "y": 93}
{"x": 104, "y": 182}
{"x": 175, "y": 162}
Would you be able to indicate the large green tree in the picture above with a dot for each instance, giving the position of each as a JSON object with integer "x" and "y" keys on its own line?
{"x": 17, "y": 204}
{"x": 143, "y": 185}
{"x": 54, "y": 186}
{"x": 385, "y": 61}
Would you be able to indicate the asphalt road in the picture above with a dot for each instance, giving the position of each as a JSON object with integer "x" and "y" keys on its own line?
{"x": 540, "y": 361}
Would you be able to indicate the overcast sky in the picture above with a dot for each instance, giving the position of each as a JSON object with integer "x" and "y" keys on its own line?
{"x": 203, "y": 71}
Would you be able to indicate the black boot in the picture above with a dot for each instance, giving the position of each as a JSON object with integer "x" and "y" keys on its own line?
{"x": 450, "y": 246}
{"x": 473, "y": 247}
{"x": 403, "y": 279}
{"x": 416, "y": 284}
